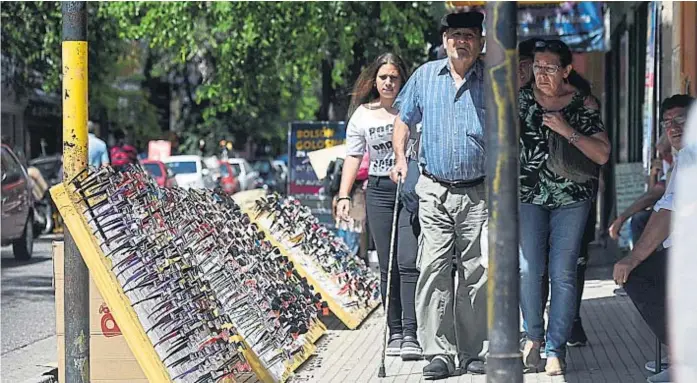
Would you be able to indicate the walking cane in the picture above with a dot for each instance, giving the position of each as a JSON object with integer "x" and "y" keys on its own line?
{"x": 381, "y": 371}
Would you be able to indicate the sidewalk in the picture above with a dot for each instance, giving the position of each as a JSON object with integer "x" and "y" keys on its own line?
{"x": 619, "y": 345}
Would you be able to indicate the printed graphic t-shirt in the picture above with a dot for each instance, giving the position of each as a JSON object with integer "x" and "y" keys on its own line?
{"x": 371, "y": 129}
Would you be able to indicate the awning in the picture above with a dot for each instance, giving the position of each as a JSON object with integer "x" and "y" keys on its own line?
{"x": 581, "y": 25}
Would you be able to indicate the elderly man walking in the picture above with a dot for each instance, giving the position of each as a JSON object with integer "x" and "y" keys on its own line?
{"x": 447, "y": 97}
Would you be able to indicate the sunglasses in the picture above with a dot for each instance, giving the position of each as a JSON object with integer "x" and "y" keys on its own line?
{"x": 677, "y": 121}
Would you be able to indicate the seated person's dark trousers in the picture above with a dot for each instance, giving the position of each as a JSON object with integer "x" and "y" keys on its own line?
{"x": 646, "y": 287}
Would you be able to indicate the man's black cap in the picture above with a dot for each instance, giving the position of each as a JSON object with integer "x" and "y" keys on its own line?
{"x": 526, "y": 49}
{"x": 462, "y": 20}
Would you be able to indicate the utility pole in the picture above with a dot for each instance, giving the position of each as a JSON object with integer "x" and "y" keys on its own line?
{"x": 504, "y": 363}
{"x": 74, "y": 95}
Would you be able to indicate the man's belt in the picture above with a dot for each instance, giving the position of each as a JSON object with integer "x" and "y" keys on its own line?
{"x": 454, "y": 184}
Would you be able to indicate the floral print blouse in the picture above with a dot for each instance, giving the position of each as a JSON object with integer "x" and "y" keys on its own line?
{"x": 538, "y": 184}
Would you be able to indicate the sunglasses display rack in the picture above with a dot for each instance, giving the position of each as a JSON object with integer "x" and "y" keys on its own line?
{"x": 198, "y": 291}
{"x": 349, "y": 286}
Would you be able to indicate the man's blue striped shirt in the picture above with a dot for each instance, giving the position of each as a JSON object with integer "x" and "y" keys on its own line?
{"x": 452, "y": 138}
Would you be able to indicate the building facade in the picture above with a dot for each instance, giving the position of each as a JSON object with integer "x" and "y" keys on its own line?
{"x": 652, "y": 56}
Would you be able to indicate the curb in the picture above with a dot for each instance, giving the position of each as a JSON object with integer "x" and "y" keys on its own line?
{"x": 49, "y": 237}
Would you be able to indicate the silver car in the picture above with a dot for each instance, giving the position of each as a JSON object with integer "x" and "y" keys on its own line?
{"x": 247, "y": 176}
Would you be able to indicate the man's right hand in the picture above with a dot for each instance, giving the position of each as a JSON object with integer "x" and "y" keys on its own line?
{"x": 400, "y": 167}
{"x": 616, "y": 226}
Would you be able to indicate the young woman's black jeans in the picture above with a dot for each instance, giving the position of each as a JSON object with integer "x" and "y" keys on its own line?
{"x": 380, "y": 201}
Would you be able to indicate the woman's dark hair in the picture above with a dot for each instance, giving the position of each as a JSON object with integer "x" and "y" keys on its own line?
{"x": 364, "y": 89}
{"x": 562, "y": 50}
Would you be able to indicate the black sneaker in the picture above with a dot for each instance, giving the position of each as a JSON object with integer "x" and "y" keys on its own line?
{"x": 439, "y": 368}
{"x": 394, "y": 345}
{"x": 578, "y": 336}
{"x": 411, "y": 349}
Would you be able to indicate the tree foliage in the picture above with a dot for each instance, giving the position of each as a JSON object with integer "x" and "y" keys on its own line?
{"x": 237, "y": 69}
{"x": 31, "y": 49}
{"x": 262, "y": 64}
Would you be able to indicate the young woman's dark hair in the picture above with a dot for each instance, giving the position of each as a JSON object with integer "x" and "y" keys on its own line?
{"x": 364, "y": 90}
{"x": 562, "y": 50}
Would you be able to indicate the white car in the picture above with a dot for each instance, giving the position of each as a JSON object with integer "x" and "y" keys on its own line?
{"x": 190, "y": 172}
{"x": 245, "y": 173}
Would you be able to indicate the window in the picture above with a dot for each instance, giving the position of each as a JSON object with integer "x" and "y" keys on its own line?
{"x": 224, "y": 171}
{"x": 154, "y": 169}
{"x": 262, "y": 167}
{"x": 11, "y": 169}
{"x": 4, "y": 161}
{"x": 183, "y": 167}
{"x": 236, "y": 169}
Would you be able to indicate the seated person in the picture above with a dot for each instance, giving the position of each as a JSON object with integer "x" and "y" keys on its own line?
{"x": 637, "y": 211}
{"x": 663, "y": 164}
{"x": 643, "y": 273}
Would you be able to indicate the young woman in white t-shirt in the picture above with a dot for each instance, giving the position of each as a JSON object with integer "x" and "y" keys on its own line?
{"x": 371, "y": 119}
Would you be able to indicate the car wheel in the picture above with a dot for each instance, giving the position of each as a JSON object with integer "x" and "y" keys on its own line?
{"x": 23, "y": 247}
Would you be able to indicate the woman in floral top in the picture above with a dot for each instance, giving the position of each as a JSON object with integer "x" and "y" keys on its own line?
{"x": 553, "y": 208}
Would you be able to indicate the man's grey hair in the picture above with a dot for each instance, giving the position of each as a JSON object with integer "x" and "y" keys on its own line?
{"x": 91, "y": 126}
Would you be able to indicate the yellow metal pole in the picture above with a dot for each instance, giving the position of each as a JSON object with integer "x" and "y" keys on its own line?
{"x": 74, "y": 96}
{"x": 74, "y": 108}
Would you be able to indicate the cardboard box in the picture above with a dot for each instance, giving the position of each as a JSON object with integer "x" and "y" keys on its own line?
{"x": 111, "y": 360}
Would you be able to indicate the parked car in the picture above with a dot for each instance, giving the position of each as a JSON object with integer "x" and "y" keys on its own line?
{"x": 190, "y": 172}
{"x": 17, "y": 206}
{"x": 163, "y": 175}
{"x": 228, "y": 178}
{"x": 270, "y": 177}
{"x": 247, "y": 176}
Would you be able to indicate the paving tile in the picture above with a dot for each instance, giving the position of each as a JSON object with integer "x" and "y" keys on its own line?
{"x": 619, "y": 345}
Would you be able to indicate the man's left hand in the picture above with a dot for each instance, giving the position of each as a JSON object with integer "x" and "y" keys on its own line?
{"x": 623, "y": 268}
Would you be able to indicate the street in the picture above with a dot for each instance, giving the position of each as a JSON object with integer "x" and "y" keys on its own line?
{"x": 28, "y": 314}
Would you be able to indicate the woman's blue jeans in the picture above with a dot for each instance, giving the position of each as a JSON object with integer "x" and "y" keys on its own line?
{"x": 550, "y": 236}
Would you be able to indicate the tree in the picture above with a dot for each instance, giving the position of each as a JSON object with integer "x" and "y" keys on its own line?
{"x": 31, "y": 46}
{"x": 240, "y": 69}
{"x": 258, "y": 65}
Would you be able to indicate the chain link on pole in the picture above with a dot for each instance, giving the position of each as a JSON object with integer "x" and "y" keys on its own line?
{"x": 74, "y": 96}
{"x": 504, "y": 363}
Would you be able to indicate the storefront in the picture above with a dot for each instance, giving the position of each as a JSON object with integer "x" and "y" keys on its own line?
{"x": 652, "y": 56}
{"x": 43, "y": 124}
